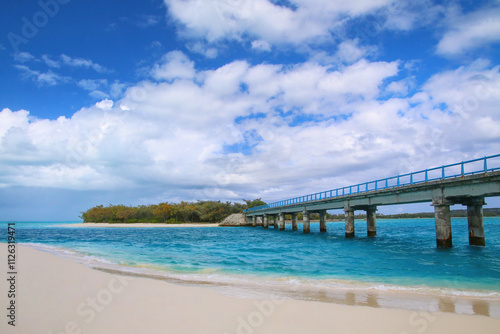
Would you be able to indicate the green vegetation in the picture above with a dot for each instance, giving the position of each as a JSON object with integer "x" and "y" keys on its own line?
{"x": 170, "y": 213}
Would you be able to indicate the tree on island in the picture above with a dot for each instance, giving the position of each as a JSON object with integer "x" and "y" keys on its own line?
{"x": 174, "y": 213}
{"x": 254, "y": 203}
{"x": 163, "y": 210}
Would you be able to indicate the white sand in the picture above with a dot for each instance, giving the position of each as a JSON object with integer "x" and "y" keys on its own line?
{"x": 56, "y": 296}
{"x": 139, "y": 225}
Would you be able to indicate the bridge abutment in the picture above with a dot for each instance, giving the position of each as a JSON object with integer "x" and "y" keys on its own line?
{"x": 349, "y": 222}
{"x": 305, "y": 222}
{"x": 322, "y": 221}
{"x": 294, "y": 221}
{"x": 476, "y": 222}
{"x": 443, "y": 225}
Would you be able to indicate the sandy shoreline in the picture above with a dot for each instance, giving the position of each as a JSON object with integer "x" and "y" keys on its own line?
{"x": 139, "y": 225}
{"x": 57, "y": 295}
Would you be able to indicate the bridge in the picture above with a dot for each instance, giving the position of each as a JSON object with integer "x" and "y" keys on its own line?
{"x": 467, "y": 183}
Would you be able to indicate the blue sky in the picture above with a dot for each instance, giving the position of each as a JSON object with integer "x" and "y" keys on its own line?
{"x": 139, "y": 102}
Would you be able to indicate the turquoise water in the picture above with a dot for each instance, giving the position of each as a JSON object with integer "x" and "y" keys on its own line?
{"x": 403, "y": 256}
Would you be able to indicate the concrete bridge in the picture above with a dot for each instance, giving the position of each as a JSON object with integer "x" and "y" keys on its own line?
{"x": 467, "y": 183}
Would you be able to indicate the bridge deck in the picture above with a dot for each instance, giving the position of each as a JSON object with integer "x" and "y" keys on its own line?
{"x": 455, "y": 191}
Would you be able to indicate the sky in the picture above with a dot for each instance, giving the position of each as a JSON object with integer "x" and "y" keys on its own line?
{"x": 140, "y": 102}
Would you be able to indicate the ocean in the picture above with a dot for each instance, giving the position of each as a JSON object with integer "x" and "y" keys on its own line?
{"x": 400, "y": 267}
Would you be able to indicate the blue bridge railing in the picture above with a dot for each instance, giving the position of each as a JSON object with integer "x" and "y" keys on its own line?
{"x": 459, "y": 169}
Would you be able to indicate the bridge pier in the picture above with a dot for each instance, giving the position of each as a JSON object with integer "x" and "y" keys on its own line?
{"x": 322, "y": 221}
{"x": 305, "y": 222}
{"x": 349, "y": 222}
{"x": 294, "y": 221}
{"x": 254, "y": 221}
{"x": 443, "y": 225}
{"x": 371, "y": 221}
{"x": 476, "y": 221}
{"x": 275, "y": 222}
{"x": 265, "y": 222}
{"x": 282, "y": 221}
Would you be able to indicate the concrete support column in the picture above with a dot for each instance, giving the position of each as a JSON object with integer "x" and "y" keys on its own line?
{"x": 275, "y": 222}
{"x": 349, "y": 222}
{"x": 476, "y": 222}
{"x": 294, "y": 221}
{"x": 371, "y": 221}
{"x": 254, "y": 221}
{"x": 282, "y": 221}
{"x": 322, "y": 221}
{"x": 265, "y": 222}
{"x": 443, "y": 225}
{"x": 305, "y": 222}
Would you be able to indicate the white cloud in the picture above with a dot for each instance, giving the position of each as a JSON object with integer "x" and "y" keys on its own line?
{"x": 203, "y": 49}
{"x": 407, "y": 15}
{"x": 303, "y": 22}
{"x": 81, "y": 62}
{"x": 471, "y": 31}
{"x": 116, "y": 89}
{"x": 23, "y": 57}
{"x": 92, "y": 84}
{"x": 398, "y": 87}
{"x": 48, "y": 78}
{"x": 251, "y": 130}
{"x": 98, "y": 94}
{"x": 51, "y": 63}
{"x": 261, "y": 45}
{"x": 105, "y": 104}
{"x": 175, "y": 65}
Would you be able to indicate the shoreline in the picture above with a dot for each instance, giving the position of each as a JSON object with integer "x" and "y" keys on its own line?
{"x": 139, "y": 225}
{"x": 57, "y": 295}
{"x": 331, "y": 291}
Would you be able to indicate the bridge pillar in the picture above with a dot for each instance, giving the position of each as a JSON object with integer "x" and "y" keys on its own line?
{"x": 322, "y": 221}
{"x": 254, "y": 221}
{"x": 371, "y": 221}
{"x": 265, "y": 222}
{"x": 294, "y": 221}
{"x": 443, "y": 225}
{"x": 275, "y": 222}
{"x": 476, "y": 222}
{"x": 282, "y": 221}
{"x": 349, "y": 222}
{"x": 305, "y": 222}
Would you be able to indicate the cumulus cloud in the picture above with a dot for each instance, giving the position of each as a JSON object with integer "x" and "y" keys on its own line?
{"x": 174, "y": 65}
{"x": 255, "y": 130}
{"x": 261, "y": 45}
{"x": 471, "y": 31}
{"x": 298, "y": 22}
{"x": 204, "y": 49}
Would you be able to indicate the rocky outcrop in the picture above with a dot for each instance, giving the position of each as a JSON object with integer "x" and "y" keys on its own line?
{"x": 236, "y": 219}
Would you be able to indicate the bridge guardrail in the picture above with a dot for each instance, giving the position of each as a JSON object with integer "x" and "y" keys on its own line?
{"x": 459, "y": 169}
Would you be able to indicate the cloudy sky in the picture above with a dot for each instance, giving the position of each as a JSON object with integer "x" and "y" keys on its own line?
{"x": 137, "y": 102}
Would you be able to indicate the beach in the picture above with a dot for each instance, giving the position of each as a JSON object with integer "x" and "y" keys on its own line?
{"x": 56, "y": 295}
